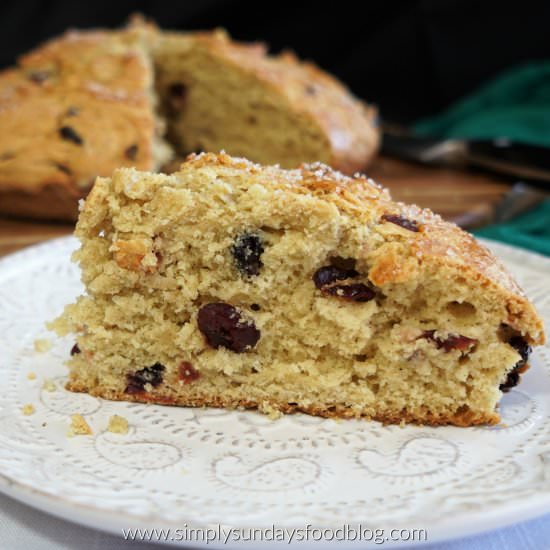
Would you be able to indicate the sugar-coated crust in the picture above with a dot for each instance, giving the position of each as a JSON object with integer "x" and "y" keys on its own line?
{"x": 349, "y": 124}
{"x": 54, "y": 109}
{"x": 460, "y": 418}
{"x": 441, "y": 244}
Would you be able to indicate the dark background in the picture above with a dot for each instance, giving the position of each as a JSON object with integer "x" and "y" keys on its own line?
{"x": 412, "y": 58}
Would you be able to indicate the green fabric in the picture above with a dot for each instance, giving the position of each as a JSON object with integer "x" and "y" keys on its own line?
{"x": 530, "y": 230}
{"x": 515, "y": 105}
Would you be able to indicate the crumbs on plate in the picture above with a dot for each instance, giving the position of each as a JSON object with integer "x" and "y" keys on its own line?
{"x": 28, "y": 409}
{"x": 118, "y": 424}
{"x": 49, "y": 385}
{"x": 79, "y": 426}
{"x": 42, "y": 345}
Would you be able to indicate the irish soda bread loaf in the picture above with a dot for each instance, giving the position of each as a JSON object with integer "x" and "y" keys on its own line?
{"x": 85, "y": 103}
{"x": 235, "y": 285}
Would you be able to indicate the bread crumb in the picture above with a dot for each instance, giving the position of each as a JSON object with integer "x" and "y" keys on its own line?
{"x": 49, "y": 385}
{"x": 31, "y": 376}
{"x": 78, "y": 426}
{"x": 42, "y": 345}
{"x": 118, "y": 424}
{"x": 271, "y": 412}
{"x": 28, "y": 409}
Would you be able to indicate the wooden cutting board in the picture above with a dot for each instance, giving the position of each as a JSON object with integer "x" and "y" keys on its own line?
{"x": 467, "y": 198}
{"x": 463, "y": 197}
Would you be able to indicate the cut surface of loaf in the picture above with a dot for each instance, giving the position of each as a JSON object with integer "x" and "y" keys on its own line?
{"x": 235, "y": 285}
{"x": 220, "y": 94}
{"x": 86, "y": 103}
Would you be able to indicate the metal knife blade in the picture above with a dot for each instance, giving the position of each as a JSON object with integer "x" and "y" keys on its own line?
{"x": 514, "y": 160}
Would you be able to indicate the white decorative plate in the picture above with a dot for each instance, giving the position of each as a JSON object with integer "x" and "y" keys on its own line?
{"x": 183, "y": 467}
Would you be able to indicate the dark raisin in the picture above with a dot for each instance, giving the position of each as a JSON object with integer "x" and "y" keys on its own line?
{"x": 524, "y": 350}
{"x": 63, "y": 168}
{"x": 429, "y": 335}
{"x": 75, "y": 350}
{"x": 512, "y": 380}
{"x": 223, "y": 326}
{"x": 453, "y": 341}
{"x": 177, "y": 93}
{"x": 188, "y": 373}
{"x": 522, "y": 347}
{"x": 325, "y": 277}
{"x": 177, "y": 89}
{"x": 356, "y": 292}
{"x": 310, "y": 89}
{"x": 39, "y": 76}
{"x": 330, "y": 274}
{"x": 69, "y": 133}
{"x": 149, "y": 375}
{"x": 405, "y": 223}
{"x": 459, "y": 342}
{"x": 131, "y": 152}
{"x": 247, "y": 252}
{"x": 255, "y": 307}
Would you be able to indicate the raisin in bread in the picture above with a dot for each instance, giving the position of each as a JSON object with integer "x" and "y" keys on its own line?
{"x": 220, "y": 94}
{"x": 79, "y": 106}
{"x": 85, "y": 104}
{"x": 230, "y": 284}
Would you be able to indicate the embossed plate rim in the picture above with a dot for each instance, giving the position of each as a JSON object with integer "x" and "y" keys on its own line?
{"x": 112, "y": 524}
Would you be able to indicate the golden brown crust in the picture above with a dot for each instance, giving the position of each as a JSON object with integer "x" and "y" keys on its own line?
{"x": 54, "y": 110}
{"x": 461, "y": 418}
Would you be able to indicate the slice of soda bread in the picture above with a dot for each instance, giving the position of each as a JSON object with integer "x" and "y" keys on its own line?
{"x": 230, "y": 284}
